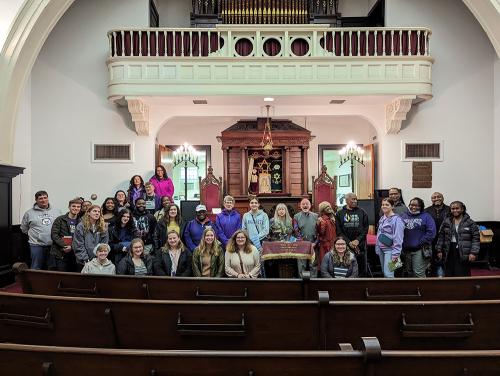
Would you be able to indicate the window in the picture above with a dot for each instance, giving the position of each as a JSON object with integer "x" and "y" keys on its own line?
{"x": 330, "y": 157}
{"x": 178, "y": 172}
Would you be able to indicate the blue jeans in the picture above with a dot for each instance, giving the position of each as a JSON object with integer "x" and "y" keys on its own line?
{"x": 385, "y": 257}
{"x": 39, "y": 255}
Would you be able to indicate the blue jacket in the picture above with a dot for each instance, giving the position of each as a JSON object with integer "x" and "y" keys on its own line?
{"x": 420, "y": 229}
{"x": 257, "y": 226}
{"x": 193, "y": 232}
{"x": 226, "y": 224}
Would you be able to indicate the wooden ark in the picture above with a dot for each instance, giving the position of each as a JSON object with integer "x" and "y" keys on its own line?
{"x": 290, "y": 145}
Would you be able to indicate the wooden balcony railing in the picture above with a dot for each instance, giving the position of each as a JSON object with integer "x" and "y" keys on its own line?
{"x": 269, "y": 41}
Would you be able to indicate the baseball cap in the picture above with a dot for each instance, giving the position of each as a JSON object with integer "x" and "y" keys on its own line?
{"x": 201, "y": 208}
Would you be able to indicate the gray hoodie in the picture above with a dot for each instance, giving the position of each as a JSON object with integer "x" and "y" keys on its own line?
{"x": 257, "y": 226}
{"x": 37, "y": 223}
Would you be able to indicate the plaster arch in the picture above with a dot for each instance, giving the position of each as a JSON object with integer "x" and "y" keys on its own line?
{"x": 36, "y": 19}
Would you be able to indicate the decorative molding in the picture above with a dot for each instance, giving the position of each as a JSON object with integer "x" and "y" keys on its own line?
{"x": 140, "y": 115}
{"x": 395, "y": 113}
{"x": 138, "y": 76}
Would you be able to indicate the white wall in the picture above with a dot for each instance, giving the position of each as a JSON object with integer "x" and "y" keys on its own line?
{"x": 22, "y": 197}
{"x": 461, "y": 111}
{"x": 174, "y": 13}
{"x": 70, "y": 109}
{"x": 326, "y": 129}
{"x": 8, "y": 10}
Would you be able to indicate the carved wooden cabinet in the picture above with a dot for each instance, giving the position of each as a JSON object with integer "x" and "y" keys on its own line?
{"x": 286, "y": 163}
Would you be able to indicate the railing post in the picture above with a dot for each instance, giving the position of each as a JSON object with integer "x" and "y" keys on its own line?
{"x": 350, "y": 43}
{"x": 375, "y": 43}
{"x": 418, "y": 43}
{"x": 342, "y": 43}
{"x": 123, "y": 43}
{"x": 358, "y": 43}
{"x": 400, "y": 42}
{"x": 383, "y": 42}
{"x": 367, "y": 35}
{"x": 392, "y": 43}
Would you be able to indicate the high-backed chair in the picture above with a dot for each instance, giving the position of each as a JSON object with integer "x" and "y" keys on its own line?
{"x": 211, "y": 192}
{"x": 324, "y": 189}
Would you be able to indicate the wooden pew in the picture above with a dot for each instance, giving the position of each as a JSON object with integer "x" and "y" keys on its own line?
{"x": 256, "y": 325}
{"x": 175, "y": 288}
{"x": 18, "y": 359}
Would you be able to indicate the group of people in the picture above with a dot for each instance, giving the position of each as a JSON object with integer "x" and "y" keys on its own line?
{"x": 440, "y": 240}
{"x": 140, "y": 232}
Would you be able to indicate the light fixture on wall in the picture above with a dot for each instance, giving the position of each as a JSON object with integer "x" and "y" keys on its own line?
{"x": 186, "y": 154}
{"x": 267, "y": 137}
{"x": 351, "y": 153}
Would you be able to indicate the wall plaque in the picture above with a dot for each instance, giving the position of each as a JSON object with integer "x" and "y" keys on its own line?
{"x": 422, "y": 175}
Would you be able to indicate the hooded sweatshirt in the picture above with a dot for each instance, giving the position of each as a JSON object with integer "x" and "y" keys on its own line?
{"x": 257, "y": 226}
{"x": 420, "y": 230}
{"x": 226, "y": 224}
{"x": 393, "y": 227}
{"x": 95, "y": 267}
{"x": 37, "y": 223}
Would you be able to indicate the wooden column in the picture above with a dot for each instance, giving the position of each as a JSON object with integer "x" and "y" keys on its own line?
{"x": 305, "y": 170}
{"x": 225, "y": 159}
{"x": 287, "y": 169}
{"x": 243, "y": 189}
{"x": 7, "y": 257}
{"x": 244, "y": 170}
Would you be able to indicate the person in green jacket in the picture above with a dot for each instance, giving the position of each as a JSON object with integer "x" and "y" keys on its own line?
{"x": 208, "y": 257}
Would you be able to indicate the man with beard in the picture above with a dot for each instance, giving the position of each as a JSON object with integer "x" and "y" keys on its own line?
{"x": 438, "y": 211}
{"x": 194, "y": 229}
{"x": 304, "y": 227}
{"x": 145, "y": 223}
{"x": 62, "y": 257}
{"x": 352, "y": 224}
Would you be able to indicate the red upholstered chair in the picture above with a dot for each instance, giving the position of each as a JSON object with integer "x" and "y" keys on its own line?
{"x": 324, "y": 189}
{"x": 211, "y": 192}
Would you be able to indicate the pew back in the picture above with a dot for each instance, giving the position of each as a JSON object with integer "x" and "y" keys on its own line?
{"x": 271, "y": 325}
{"x": 33, "y": 360}
{"x": 175, "y": 288}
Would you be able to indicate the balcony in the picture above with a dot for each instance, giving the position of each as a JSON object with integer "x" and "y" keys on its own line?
{"x": 269, "y": 60}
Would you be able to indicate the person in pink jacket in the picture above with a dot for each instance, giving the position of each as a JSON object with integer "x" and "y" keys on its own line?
{"x": 162, "y": 183}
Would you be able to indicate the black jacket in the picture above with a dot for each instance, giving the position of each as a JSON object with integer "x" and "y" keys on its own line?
{"x": 60, "y": 228}
{"x": 127, "y": 267}
{"x": 116, "y": 240}
{"x": 438, "y": 215}
{"x": 467, "y": 237}
{"x": 353, "y": 224}
{"x": 184, "y": 267}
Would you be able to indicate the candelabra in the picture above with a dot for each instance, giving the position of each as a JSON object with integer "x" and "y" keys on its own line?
{"x": 185, "y": 154}
{"x": 351, "y": 153}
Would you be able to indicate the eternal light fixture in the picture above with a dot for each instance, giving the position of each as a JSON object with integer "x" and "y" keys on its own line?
{"x": 267, "y": 138}
{"x": 353, "y": 153}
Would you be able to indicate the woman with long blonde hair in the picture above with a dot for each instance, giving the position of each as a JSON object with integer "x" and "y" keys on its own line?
{"x": 91, "y": 231}
{"x": 208, "y": 258}
{"x": 242, "y": 259}
{"x": 280, "y": 226}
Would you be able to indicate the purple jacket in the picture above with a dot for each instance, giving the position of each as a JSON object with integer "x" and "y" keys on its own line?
{"x": 163, "y": 187}
{"x": 226, "y": 224}
{"x": 193, "y": 232}
{"x": 134, "y": 194}
{"x": 393, "y": 227}
{"x": 420, "y": 229}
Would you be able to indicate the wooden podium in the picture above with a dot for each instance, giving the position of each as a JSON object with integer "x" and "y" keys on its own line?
{"x": 280, "y": 258}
